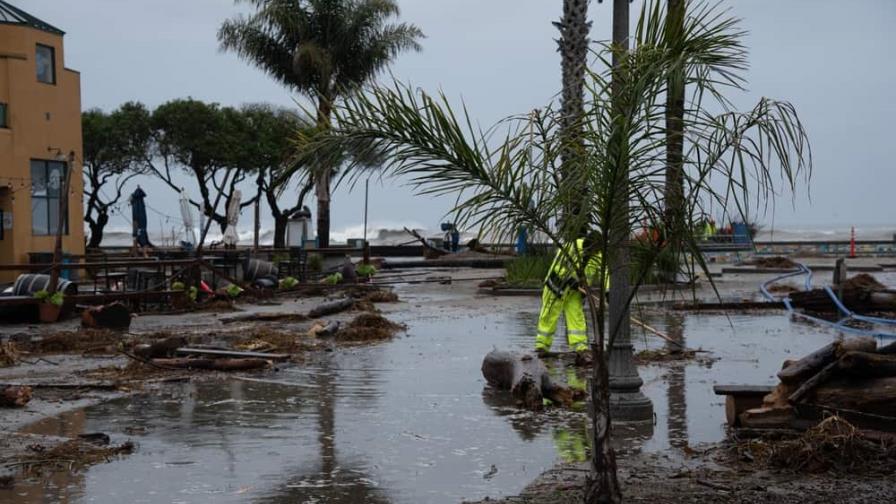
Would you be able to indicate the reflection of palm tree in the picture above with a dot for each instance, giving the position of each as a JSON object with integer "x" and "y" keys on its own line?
{"x": 335, "y": 483}
{"x": 677, "y": 421}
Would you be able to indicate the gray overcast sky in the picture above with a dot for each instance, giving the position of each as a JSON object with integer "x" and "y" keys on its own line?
{"x": 831, "y": 58}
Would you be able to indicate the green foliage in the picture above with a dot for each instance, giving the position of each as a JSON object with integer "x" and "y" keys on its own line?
{"x": 56, "y": 298}
{"x": 512, "y": 178}
{"x": 320, "y": 47}
{"x": 528, "y": 270}
{"x": 233, "y": 290}
{"x": 324, "y": 49}
{"x": 288, "y": 283}
{"x": 178, "y": 286}
{"x": 116, "y": 146}
{"x": 193, "y": 293}
{"x": 315, "y": 263}
{"x": 365, "y": 270}
{"x": 333, "y": 279}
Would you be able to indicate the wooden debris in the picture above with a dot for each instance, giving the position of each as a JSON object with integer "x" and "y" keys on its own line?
{"x": 15, "y": 396}
{"x": 803, "y": 369}
{"x": 265, "y": 317}
{"x": 111, "y": 316}
{"x": 868, "y": 365}
{"x": 323, "y": 329}
{"x": 211, "y": 364}
{"x": 766, "y": 416}
{"x": 230, "y": 353}
{"x": 331, "y": 307}
{"x": 527, "y": 379}
{"x": 158, "y": 349}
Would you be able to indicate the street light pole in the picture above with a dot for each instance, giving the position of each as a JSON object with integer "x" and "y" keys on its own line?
{"x": 627, "y": 402}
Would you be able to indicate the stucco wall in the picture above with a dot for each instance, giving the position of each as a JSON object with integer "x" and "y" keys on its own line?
{"x": 41, "y": 117}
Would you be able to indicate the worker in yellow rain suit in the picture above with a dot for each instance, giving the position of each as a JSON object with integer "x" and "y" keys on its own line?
{"x": 561, "y": 295}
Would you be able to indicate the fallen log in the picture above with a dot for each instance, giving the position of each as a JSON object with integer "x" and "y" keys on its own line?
{"x": 803, "y": 369}
{"x": 211, "y": 364}
{"x": 230, "y": 353}
{"x": 265, "y": 317}
{"x": 429, "y": 251}
{"x": 812, "y": 383}
{"x": 15, "y": 396}
{"x": 527, "y": 379}
{"x": 868, "y": 365}
{"x": 111, "y": 316}
{"x": 876, "y": 396}
{"x": 161, "y": 348}
{"x": 331, "y": 307}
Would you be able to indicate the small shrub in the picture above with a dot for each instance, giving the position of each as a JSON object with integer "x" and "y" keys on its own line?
{"x": 315, "y": 263}
{"x": 528, "y": 271}
{"x": 57, "y": 298}
{"x": 365, "y": 270}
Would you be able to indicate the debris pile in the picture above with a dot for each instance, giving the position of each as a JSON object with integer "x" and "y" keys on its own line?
{"x": 832, "y": 445}
{"x": 368, "y": 327}
{"x": 15, "y": 396}
{"x": 9, "y": 354}
{"x": 70, "y": 455}
{"x": 851, "y": 377}
{"x": 777, "y": 262}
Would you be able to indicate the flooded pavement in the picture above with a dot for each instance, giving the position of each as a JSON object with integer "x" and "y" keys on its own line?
{"x": 404, "y": 421}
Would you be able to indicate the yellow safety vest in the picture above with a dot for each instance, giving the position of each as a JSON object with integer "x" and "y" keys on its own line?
{"x": 562, "y": 275}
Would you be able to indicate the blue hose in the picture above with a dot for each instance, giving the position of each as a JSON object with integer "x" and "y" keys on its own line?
{"x": 839, "y": 325}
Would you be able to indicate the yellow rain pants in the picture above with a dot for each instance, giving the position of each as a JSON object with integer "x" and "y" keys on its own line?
{"x": 561, "y": 296}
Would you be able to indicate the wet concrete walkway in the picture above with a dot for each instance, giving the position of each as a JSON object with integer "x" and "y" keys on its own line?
{"x": 405, "y": 421}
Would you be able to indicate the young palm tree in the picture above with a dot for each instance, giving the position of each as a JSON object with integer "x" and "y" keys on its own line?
{"x": 323, "y": 49}
{"x": 522, "y": 178}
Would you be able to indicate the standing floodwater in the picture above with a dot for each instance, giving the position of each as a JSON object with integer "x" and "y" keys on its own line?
{"x": 405, "y": 421}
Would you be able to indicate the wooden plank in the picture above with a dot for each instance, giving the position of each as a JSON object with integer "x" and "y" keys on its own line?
{"x": 741, "y": 390}
{"x": 231, "y": 353}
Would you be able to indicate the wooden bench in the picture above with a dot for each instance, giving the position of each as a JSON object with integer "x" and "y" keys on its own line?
{"x": 739, "y": 398}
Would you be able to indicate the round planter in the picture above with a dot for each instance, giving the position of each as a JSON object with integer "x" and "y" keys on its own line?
{"x": 48, "y": 312}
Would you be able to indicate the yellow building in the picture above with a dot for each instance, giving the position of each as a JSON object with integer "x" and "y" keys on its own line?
{"x": 40, "y": 129}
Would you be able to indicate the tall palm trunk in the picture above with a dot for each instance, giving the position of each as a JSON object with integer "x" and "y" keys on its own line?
{"x": 674, "y": 189}
{"x": 573, "y": 45}
{"x": 322, "y": 179}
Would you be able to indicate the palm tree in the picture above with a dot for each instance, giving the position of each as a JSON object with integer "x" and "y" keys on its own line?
{"x": 730, "y": 157}
{"x": 323, "y": 49}
{"x": 573, "y": 46}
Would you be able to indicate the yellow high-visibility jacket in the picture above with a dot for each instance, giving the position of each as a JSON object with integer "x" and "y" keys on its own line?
{"x": 562, "y": 275}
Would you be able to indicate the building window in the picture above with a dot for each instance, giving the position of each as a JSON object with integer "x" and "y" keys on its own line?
{"x": 46, "y": 64}
{"x": 4, "y": 121}
{"x": 47, "y": 178}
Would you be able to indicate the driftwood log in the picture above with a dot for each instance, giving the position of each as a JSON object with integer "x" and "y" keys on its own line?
{"x": 161, "y": 348}
{"x": 331, "y": 307}
{"x": 429, "y": 251}
{"x": 15, "y": 396}
{"x": 527, "y": 379}
{"x": 265, "y": 317}
{"x": 869, "y": 395}
{"x": 797, "y": 372}
{"x": 111, "y": 316}
{"x": 212, "y": 364}
{"x": 868, "y": 365}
